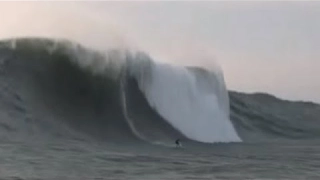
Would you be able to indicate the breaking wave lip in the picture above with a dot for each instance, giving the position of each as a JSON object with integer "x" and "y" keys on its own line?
{"x": 119, "y": 94}
{"x": 193, "y": 100}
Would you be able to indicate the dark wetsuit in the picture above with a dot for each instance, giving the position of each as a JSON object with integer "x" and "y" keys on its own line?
{"x": 178, "y": 142}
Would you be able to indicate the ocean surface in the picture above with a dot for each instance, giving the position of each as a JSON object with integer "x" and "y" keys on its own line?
{"x": 71, "y": 112}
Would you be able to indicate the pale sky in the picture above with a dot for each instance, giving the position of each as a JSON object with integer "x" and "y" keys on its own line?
{"x": 271, "y": 47}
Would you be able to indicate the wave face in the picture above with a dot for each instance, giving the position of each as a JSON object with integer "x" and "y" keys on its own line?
{"x": 62, "y": 88}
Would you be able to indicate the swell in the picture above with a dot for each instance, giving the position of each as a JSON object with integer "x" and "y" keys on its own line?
{"x": 262, "y": 117}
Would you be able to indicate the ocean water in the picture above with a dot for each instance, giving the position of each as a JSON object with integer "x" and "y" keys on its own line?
{"x": 82, "y": 160}
{"x": 69, "y": 112}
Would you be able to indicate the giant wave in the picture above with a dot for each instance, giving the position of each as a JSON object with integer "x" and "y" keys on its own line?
{"x": 53, "y": 88}
{"x": 112, "y": 95}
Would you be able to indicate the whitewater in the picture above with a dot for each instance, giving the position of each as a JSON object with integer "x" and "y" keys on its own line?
{"x": 194, "y": 101}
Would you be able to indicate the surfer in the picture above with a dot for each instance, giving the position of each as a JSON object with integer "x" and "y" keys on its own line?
{"x": 178, "y": 143}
